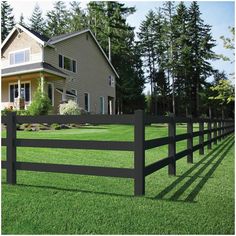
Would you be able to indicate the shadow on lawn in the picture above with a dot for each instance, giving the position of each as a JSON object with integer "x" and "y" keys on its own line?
{"x": 213, "y": 159}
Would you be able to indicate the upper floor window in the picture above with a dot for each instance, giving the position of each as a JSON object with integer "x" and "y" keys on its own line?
{"x": 67, "y": 63}
{"x": 111, "y": 81}
{"x": 19, "y": 56}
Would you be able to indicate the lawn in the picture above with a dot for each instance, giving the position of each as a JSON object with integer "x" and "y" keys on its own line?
{"x": 198, "y": 200}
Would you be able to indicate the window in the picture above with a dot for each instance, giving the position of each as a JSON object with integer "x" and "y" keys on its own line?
{"x": 86, "y": 102}
{"x": 101, "y": 105}
{"x": 51, "y": 93}
{"x": 111, "y": 81}
{"x": 19, "y": 57}
{"x": 67, "y": 63}
{"x": 24, "y": 90}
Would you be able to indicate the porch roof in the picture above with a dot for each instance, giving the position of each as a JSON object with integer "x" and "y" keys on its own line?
{"x": 33, "y": 67}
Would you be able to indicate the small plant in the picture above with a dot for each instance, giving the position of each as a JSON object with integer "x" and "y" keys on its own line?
{"x": 70, "y": 108}
{"x": 55, "y": 126}
{"x": 5, "y": 111}
{"x": 41, "y": 104}
{"x": 22, "y": 112}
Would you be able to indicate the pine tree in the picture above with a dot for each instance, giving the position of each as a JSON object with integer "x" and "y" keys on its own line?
{"x": 36, "y": 20}
{"x": 78, "y": 19}
{"x": 168, "y": 12}
{"x": 7, "y": 19}
{"x": 181, "y": 59}
{"x": 147, "y": 44}
{"x": 201, "y": 52}
{"x": 21, "y": 21}
{"x": 58, "y": 19}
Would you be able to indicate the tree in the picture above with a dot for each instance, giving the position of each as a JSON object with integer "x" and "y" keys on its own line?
{"x": 57, "y": 19}
{"x": 229, "y": 43}
{"x": 36, "y": 20}
{"x": 147, "y": 45}
{"x": 168, "y": 12}
{"x": 78, "y": 19}
{"x": 181, "y": 59}
{"x": 7, "y": 19}
{"x": 21, "y": 21}
{"x": 201, "y": 52}
{"x": 224, "y": 94}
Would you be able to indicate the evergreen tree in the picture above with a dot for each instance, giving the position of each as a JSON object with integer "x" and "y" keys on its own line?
{"x": 36, "y": 20}
{"x": 201, "y": 52}
{"x": 21, "y": 21}
{"x": 78, "y": 19}
{"x": 181, "y": 67}
{"x": 7, "y": 19}
{"x": 168, "y": 12}
{"x": 58, "y": 19}
{"x": 147, "y": 44}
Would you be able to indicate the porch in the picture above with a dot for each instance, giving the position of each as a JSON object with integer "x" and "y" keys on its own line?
{"x": 18, "y": 88}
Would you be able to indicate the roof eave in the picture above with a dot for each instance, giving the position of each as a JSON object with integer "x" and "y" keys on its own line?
{"x": 33, "y": 71}
{"x": 26, "y": 31}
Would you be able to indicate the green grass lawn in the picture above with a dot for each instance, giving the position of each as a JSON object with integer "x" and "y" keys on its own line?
{"x": 198, "y": 200}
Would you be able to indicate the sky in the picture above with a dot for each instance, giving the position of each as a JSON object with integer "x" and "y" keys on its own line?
{"x": 219, "y": 14}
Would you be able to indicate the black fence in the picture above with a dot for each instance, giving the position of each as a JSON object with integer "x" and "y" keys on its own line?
{"x": 216, "y": 130}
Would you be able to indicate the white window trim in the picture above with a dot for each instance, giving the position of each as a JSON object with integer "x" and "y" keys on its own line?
{"x": 20, "y": 50}
{"x": 76, "y": 67}
{"x": 88, "y": 101}
{"x": 52, "y": 92}
{"x": 22, "y": 82}
{"x": 112, "y": 81}
{"x": 103, "y": 101}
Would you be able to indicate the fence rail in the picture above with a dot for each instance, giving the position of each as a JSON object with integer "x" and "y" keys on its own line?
{"x": 217, "y": 129}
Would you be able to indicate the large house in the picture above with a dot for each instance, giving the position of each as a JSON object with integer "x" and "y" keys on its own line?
{"x": 70, "y": 66}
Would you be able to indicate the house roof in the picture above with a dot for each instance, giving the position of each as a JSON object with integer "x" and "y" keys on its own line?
{"x": 37, "y": 34}
{"x": 45, "y": 41}
{"x": 33, "y": 67}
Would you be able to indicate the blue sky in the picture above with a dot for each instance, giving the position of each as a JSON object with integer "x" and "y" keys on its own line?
{"x": 218, "y": 14}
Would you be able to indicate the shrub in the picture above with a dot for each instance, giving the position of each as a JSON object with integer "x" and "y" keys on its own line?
{"x": 41, "y": 104}
{"x": 55, "y": 126}
{"x": 5, "y": 111}
{"x": 22, "y": 112}
{"x": 70, "y": 108}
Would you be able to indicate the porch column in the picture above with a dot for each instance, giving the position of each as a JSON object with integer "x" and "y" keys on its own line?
{"x": 19, "y": 92}
{"x": 42, "y": 82}
{"x": 17, "y": 100}
{"x": 64, "y": 91}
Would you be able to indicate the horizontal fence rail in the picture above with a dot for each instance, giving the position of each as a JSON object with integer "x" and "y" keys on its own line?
{"x": 214, "y": 129}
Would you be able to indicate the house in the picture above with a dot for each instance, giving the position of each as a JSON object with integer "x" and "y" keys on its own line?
{"x": 69, "y": 66}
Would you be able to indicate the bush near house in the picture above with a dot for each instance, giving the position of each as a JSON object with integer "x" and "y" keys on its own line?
{"x": 70, "y": 108}
{"x": 40, "y": 105}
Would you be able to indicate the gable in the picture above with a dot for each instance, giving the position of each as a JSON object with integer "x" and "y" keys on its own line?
{"x": 77, "y": 36}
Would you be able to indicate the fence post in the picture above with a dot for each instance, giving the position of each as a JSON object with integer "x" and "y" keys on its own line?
{"x": 215, "y": 132}
{"x": 190, "y": 140}
{"x": 223, "y": 129}
{"x": 11, "y": 147}
{"x": 209, "y": 136}
{"x": 201, "y": 137}
{"x": 220, "y": 131}
{"x": 139, "y": 153}
{"x": 172, "y": 145}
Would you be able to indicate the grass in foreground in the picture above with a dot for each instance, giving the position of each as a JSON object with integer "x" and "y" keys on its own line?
{"x": 199, "y": 200}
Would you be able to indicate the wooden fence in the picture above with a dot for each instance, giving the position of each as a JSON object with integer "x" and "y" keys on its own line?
{"x": 216, "y": 130}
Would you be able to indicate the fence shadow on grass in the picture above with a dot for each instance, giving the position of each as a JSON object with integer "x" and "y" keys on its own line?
{"x": 212, "y": 160}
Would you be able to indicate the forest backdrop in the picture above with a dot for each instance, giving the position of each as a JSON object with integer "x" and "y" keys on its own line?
{"x": 173, "y": 53}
